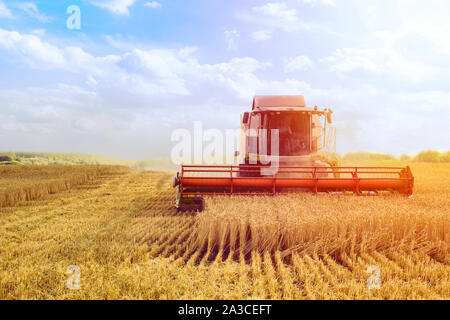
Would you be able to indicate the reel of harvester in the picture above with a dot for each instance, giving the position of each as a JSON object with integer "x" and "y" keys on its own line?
{"x": 195, "y": 182}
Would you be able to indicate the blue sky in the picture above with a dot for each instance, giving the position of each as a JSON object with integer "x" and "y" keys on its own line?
{"x": 137, "y": 70}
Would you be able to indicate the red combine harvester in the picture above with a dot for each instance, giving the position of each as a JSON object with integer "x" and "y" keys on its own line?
{"x": 279, "y": 145}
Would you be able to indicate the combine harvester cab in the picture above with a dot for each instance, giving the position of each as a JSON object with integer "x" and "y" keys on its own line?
{"x": 279, "y": 145}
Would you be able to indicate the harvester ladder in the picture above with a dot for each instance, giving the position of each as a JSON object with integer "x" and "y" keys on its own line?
{"x": 329, "y": 144}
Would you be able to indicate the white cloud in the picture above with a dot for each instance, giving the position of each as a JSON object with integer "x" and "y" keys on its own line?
{"x": 32, "y": 50}
{"x": 396, "y": 43}
{"x": 277, "y": 10}
{"x": 279, "y": 16}
{"x": 232, "y": 38}
{"x": 379, "y": 61}
{"x": 434, "y": 33}
{"x": 313, "y": 3}
{"x": 262, "y": 35}
{"x": 41, "y": 55}
{"x": 153, "y": 4}
{"x": 402, "y": 20}
{"x": 373, "y": 16}
{"x": 4, "y": 11}
{"x": 116, "y": 6}
{"x": 32, "y": 10}
{"x": 39, "y": 32}
{"x": 153, "y": 72}
{"x": 298, "y": 63}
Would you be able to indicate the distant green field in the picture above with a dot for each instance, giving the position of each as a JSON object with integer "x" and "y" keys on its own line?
{"x": 429, "y": 156}
{"x": 165, "y": 164}
{"x": 47, "y": 158}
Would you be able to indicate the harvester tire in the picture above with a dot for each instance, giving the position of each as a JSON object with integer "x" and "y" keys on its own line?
{"x": 196, "y": 205}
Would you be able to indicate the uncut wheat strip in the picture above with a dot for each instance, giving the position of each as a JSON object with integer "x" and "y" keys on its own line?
{"x": 14, "y": 213}
{"x": 438, "y": 250}
{"x": 39, "y": 190}
{"x": 342, "y": 279}
{"x": 212, "y": 233}
{"x": 212, "y": 243}
{"x": 35, "y": 191}
{"x": 273, "y": 286}
{"x": 204, "y": 230}
{"x": 191, "y": 283}
{"x": 234, "y": 234}
{"x": 216, "y": 225}
{"x": 193, "y": 254}
{"x": 174, "y": 251}
{"x": 232, "y": 274}
{"x": 390, "y": 271}
{"x": 336, "y": 287}
{"x": 245, "y": 283}
{"x": 230, "y": 258}
{"x": 359, "y": 275}
{"x": 321, "y": 285}
{"x": 304, "y": 280}
{"x": 393, "y": 277}
{"x": 343, "y": 283}
{"x": 363, "y": 269}
{"x": 425, "y": 235}
{"x": 222, "y": 279}
{"x": 419, "y": 265}
{"x": 259, "y": 287}
{"x": 288, "y": 289}
{"x": 224, "y": 242}
{"x": 244, "y": 247}
{"x": 239, "y": 233}
{"x": 204, "y": 289}
{"x": 434, "y": 274}
{"x": 214, "y": 274}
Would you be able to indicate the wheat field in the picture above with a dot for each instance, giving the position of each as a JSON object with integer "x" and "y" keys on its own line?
{"x": 19, "y": 184}
{"x": 121, "y": 230}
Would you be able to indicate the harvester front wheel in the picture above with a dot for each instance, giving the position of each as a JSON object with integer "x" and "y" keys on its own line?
{"x": 189, "y": 203}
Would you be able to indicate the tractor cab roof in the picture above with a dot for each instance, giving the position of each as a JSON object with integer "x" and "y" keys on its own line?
{"x": 279, "y": 103}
